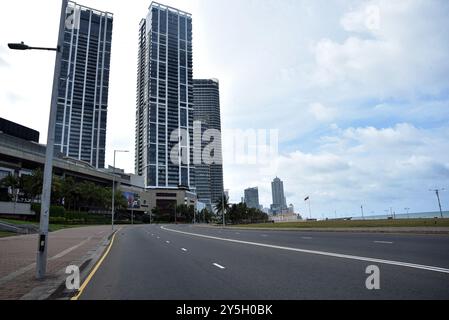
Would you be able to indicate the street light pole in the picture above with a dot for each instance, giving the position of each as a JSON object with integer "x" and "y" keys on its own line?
{"x": 223, "y": 207}
{"x": 194, "y": 213}
{"x": 113, "y": 190}
{"x": 176, "y": 204}
{"x": 41, "y": 258}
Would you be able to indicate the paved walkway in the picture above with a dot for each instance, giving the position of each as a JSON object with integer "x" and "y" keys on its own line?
{"x": 65, "y": 247}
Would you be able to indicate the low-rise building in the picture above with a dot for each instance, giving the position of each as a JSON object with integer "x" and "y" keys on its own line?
{"x": 20, "y": 155}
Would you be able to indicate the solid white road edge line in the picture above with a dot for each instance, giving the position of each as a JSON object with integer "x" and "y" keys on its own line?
{"x": 322, "y": 253}
{"x": 384, "y": 242}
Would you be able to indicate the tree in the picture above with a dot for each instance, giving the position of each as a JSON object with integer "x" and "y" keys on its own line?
{"x": 31, "y": 185}
{"x": 240, "y": 213}
{"x": 204, "y": 216}
{"x": 70, "y": 193}
{"x": 222, "y": 205}
{"x": 162, "y": 215}
{"x": 120, "y": 202}
{"x": 56, "y": 190}
{"x": 11, "y": 182}
{"x": 185, "y": 213}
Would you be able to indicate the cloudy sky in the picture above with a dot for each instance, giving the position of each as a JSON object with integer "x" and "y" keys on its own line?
{"x": 359, "y": 91}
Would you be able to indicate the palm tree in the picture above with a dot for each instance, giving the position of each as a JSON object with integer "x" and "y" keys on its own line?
{"x": 222, "y": 204}
{"x": 11, "y": 181}
{"x": 32, "y": 185}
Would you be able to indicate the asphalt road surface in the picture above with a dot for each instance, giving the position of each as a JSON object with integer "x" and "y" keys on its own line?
{"x": 185, "y": 262}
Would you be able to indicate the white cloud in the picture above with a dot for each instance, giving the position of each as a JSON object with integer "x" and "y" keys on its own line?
{"x": 377, "y": 167}
{"x": 360, "y": 101}
{"x": 404, "y": 55}
{"x": 322, "y": 113}
{"x": 365, "y": 19}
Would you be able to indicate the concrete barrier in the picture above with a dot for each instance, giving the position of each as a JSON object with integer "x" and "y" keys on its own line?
{"x": 15, "y": 209}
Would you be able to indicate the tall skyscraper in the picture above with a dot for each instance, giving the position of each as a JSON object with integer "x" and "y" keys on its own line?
{"x": 84, "y": 85}
{"x": 208, "y": 177}
{"x": 277, "y": 191}
{"x": 164, "y": 112}
{"x": 252, "y": 198}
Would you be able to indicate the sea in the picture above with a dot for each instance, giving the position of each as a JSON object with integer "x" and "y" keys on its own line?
{"x": 415, "y": 215}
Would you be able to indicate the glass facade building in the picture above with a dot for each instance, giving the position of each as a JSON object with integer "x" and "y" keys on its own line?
{"x": 279, "y": 201}
{"x": 252, "y": 198}
{"x": 84, "y": 84}
{"x": 164, "y": 111}
{"x": 208, "y": 177}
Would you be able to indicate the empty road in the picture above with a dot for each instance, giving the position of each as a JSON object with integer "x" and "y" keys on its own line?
{"x": 186, "y": 262}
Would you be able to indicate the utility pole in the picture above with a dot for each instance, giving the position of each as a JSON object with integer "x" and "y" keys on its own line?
{"x": 437, "y": 192}
{"x": 41, "y": 259}
{"x": 407, "y": 210}
{"x": 363, "y": 216}
{"x": 392, "y": 214}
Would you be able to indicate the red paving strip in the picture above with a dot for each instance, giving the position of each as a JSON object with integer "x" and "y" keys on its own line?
{"x": 19, "y": 252}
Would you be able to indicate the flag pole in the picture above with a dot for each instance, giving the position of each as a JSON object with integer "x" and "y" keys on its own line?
{"x": 310, "y": 211}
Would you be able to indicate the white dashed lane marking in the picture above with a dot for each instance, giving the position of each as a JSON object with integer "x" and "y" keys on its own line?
{"x": 321, "y": 253}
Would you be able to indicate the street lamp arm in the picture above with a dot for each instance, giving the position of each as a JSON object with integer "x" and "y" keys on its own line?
{"x": 23, "y": 46}
{"x": 44, "y": 48}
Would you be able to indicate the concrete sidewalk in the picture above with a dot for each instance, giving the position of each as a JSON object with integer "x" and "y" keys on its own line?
{"x": 77, "y": 246}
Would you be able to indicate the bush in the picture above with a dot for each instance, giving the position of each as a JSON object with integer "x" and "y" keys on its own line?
{"x": 57, "y": 220}
{"x": 75, "y": 215}
{"x": 55, "y": 211}
{"x": 58, "y": 215}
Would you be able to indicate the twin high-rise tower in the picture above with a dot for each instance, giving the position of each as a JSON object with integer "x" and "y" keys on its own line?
{"x": 165, "y": 99}
{"x": 168, "y": 99}
{"x": 84, "y": 85}
{"x": 208, "y": 177}
{"x": 168, "y": 103}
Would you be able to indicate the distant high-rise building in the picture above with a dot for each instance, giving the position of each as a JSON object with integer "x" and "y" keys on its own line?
{"x": 277, "y": 191}
{"x": 291, "y": 208}
{"x": 164, "y": 113}
{"x": 208, "y": 177}
{"x": 252, "y": 198}
{"x": 84, "y": 85}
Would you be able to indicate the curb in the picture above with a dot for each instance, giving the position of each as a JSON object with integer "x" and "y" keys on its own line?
{"x": 54, "y": 288}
